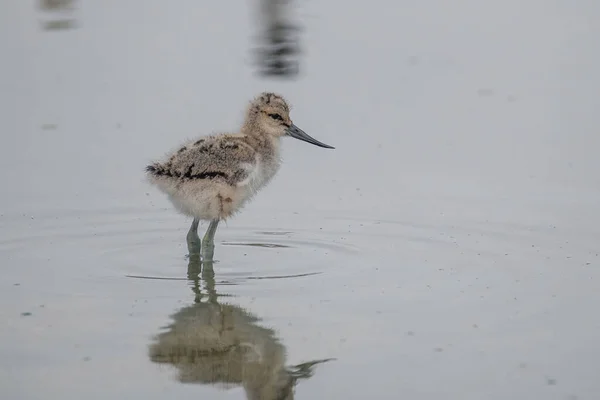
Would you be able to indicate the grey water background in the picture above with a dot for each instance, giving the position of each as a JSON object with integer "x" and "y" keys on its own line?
{"x": 448, "y": 247}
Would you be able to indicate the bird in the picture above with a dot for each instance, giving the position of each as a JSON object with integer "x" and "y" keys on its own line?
{"x": 212, "y": 178}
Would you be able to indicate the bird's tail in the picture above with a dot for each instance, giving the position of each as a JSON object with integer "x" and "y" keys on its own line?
{"x": 156, "y": 170}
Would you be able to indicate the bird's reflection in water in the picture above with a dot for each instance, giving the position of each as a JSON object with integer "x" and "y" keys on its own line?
{"x": 222, "y": 344}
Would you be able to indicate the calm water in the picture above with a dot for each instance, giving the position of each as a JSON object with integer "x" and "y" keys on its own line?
{"x": 447, "y": 249}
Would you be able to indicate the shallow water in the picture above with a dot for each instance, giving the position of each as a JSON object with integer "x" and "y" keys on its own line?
{"x": 448, "y": 247}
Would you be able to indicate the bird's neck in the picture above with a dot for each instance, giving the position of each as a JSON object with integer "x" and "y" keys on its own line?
{"x": 263, "y": 141}
{"x": 267, "y": 145}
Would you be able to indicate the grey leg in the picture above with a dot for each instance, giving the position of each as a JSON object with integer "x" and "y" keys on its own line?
{"x": 208, "y": 244}
{"x": 193, "y": 240}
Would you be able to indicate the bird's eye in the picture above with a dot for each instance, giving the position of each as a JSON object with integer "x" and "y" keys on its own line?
{"x": 276, "y": 117}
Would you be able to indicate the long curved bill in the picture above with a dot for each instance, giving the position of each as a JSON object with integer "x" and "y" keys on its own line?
{"x": 298, "y": 133}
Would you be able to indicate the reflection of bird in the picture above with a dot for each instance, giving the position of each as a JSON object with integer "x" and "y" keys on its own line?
{"x": 212, "y": 178}
{"x": 213, "y": 343}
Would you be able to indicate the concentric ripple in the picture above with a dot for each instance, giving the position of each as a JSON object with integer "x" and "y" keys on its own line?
{"x": 150, "y": 244}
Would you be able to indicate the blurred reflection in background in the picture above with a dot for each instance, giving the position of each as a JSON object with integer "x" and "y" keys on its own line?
{"x": 278, "y": 55}
{"x": 278, "y": 51}
{"x": 51, "y": 5}
{"x": 57, "y": 14}
{"x": 223, "y": 345}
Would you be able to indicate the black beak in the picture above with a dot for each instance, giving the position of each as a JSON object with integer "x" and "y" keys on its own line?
{"x": 298, "y": 133}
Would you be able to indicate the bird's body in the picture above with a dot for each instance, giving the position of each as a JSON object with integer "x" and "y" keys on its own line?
{"x": 213, "y": 177}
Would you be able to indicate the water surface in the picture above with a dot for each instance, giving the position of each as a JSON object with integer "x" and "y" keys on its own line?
{"x": 448, "y": 247}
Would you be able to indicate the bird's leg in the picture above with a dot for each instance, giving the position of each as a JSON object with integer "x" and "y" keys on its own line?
{"x": 208, "y": 244}
{"x": 193, "y": 240}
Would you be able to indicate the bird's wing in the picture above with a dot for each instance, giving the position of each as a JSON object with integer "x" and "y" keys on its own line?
{"x": 227, "y": 158}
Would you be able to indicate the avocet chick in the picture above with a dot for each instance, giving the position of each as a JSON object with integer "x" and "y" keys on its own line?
{"x": 211, "y": 178}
